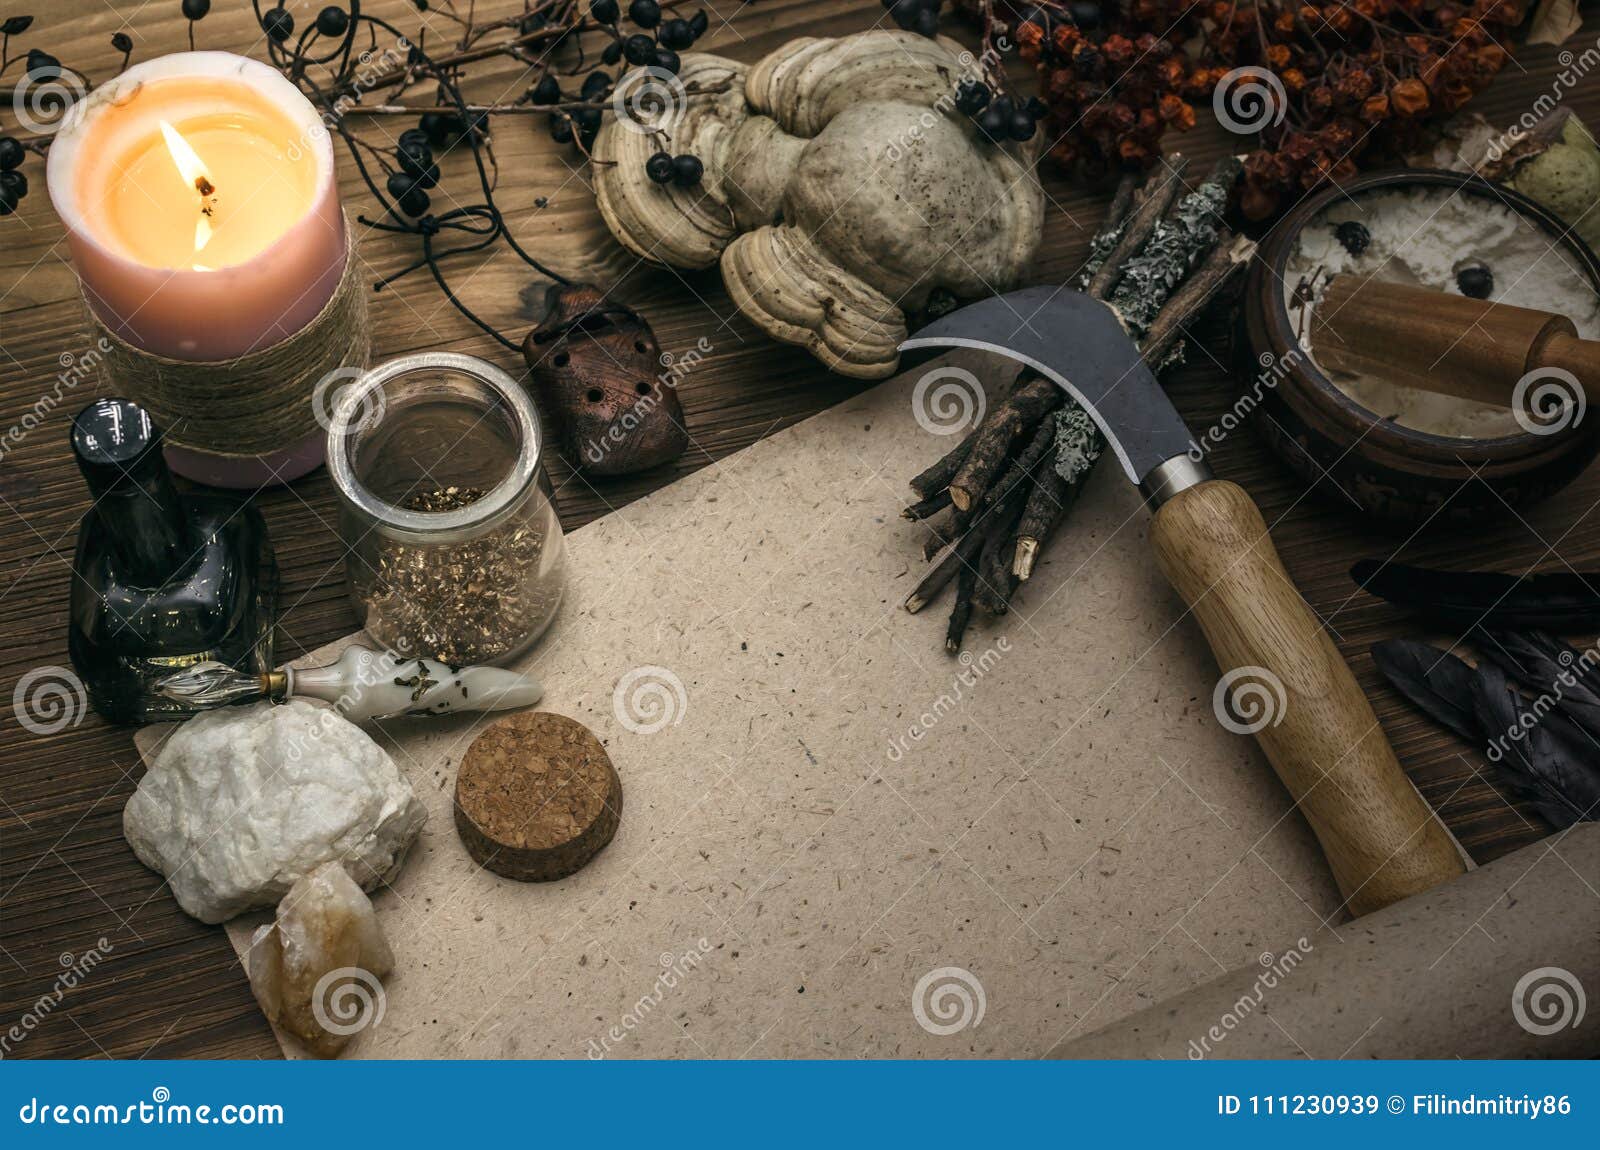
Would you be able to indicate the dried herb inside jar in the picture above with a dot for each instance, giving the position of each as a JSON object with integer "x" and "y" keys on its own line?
{"x": 467, "y": 602}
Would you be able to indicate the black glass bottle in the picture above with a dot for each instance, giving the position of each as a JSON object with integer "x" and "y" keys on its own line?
{"x": 160, "y": 581}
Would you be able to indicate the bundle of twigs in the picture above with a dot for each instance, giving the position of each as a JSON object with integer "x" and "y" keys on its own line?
{"x": 994, "y": 501}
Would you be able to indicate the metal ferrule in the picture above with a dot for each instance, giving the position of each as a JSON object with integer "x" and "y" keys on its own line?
{"x": 1179, "y": 473}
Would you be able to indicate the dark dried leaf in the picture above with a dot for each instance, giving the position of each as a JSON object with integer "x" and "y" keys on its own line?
{"x": 1551, "y": 668}
{"x": 1436, "y": 682}
{"x": 1546, "y": 758}
{"x": 15, "y": 25}
{"x": 1558, "y": 601}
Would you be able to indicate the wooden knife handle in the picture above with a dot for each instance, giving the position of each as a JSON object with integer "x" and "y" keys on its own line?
{"x": 1291, "y": 689}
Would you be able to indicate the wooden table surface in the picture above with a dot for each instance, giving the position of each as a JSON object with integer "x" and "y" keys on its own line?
{"x": 171, "y": 987}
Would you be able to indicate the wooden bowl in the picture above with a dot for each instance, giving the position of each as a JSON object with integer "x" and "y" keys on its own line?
{"x": 1398, "y": 475}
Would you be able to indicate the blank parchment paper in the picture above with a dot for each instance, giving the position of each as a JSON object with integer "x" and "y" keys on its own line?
{"x": 836, "y": 840}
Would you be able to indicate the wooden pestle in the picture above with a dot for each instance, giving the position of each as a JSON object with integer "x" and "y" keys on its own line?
{"x": 1438, "y": 341}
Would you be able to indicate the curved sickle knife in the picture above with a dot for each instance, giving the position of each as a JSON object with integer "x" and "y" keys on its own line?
{"x": 1382, "y": 841}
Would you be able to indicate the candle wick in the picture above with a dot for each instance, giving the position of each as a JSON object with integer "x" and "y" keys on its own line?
{"x": 204, "y": 185}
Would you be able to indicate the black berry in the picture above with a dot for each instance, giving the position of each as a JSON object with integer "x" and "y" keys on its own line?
{"x": 904, "y": 13}
{"x": 414, "y": 152}
{"x": 660, "y": 168}
{"x": 1022, "y": 126}
{"x": 595, "y": 83}
{"x": 972, "y": 96}
{"x": 42, "y": 65}
{"x": 1475, "y": 280}
{"x": 687, "y": 170}
{"x": 561, "y": 129}
{"x": 11, "y": 153}
{"x": 1039, "y": 18}
{"x": 1353, "y": 235}
{"x": 994, "y": 123}
{"x": 413, "y": 139}
{"x": 604, "y": 11}
{"x": 639, "y": 49}
{"x": 698, "y": 23}
{"x": 400, "y": 185}
{"x": 196, "y": 9}
{"x": 278, "y": 24}
{"x": 613, "y": 52}
{"x": 122, "y": 42}
{"x": 424, "y": 172}
{"x": 676, "y": 34}
{"x": 667, "y": 60}
{"x": 587, "y": 119}
{"x": 333, "y": 21}
{"x": 546, "y": 91}
{"x": 926, "y": 23}
{"x": 15, "y": 183}
{"x": 645, "y": 13}
{"x": 7, "y": 204}
{"x": 440, "y": 126}
{"x": 414, "y": 203}
{"x": 1085, "y": 13}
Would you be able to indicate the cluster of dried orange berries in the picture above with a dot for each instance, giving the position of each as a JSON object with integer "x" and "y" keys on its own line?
{"x": 1320, "y": 83}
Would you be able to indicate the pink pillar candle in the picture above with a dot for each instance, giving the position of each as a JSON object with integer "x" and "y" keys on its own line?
{"x": 266, "y": 196}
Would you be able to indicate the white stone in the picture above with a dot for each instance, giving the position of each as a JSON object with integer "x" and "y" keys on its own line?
{"x": 317, "y": 970}
{"x": 243, "y": 802}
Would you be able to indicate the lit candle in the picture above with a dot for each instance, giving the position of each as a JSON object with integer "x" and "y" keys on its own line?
{"x": 200, "y": 204}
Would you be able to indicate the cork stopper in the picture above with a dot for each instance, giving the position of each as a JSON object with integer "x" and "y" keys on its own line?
{"x": 536, "y": 797}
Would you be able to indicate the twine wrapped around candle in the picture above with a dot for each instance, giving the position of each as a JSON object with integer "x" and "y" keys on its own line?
{"x": 260, "y": 403}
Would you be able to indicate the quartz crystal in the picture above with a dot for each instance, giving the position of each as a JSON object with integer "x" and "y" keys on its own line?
{"x": 317, "y": 968}
{"x": 242, "y": 802}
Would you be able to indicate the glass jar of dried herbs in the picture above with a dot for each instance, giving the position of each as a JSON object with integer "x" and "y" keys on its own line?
{"x": 453, "y": 550}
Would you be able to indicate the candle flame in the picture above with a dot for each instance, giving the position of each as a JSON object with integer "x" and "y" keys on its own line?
{"x": 193, "y": 170}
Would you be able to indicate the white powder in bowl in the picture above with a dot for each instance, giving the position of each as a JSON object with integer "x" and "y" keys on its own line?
{"x": 1420, "y": 236}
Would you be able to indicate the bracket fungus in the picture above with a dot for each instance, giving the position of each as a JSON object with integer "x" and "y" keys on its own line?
{"x": 841, "y": 188}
